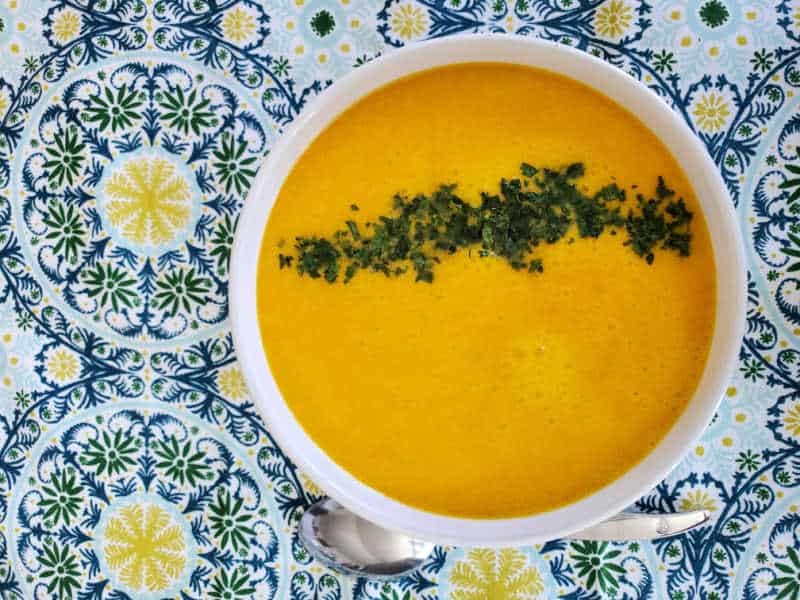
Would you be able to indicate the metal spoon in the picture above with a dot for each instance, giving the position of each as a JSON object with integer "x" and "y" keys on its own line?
{"x": 347, "y": 543}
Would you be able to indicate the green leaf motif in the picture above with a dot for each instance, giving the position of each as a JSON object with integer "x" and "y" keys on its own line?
{"x": 186, "y": 112}
{"x": 787, "y": 582}
{"x": 112, "y": 455}
{"x": 181, "y": 288}
{"x": 110, "y": 285}
{"x": 62, "y": 498}
{"x": 714, "y": 13}
{"x": 119, "y": 111}
{"x": 66, "y": 229}
{"x": 65, "y": 159}
{"x": 180, "y": 463}
{"x": 594, "y": 560}
{"x": 233, "y": 170}
{"x": 222, "y": 241}
{"x": 228, "y": 587}
{"x": 793, "y": 248}
{"x": 229, "y": 523}
{"x": 323, "y": 23}
{"x": 792, "y": 183}
{"x": 60, "y": 570}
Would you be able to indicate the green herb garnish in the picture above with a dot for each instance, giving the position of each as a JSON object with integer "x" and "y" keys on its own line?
{"x": 541, "y": 207}
{"x": 285, "y": 261}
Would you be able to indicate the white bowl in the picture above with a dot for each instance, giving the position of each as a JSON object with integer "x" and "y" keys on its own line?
{"x": 731, "y": 288}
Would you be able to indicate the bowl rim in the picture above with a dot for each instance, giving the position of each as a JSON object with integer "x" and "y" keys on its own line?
{"x": 634, "y": 96}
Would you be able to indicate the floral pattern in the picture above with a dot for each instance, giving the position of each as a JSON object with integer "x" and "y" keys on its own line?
{"x": 133, "y": 462}
{"x": 317, "y": 40}
{"x": 147, "y": 201}
{"x": 21, "y": 38}
{"x": 613, "y": 19}
{"x": 408, "y": 21}
{"x": 125, "y": 179}
{"x": 711, "y": 112}
{"x": 500, "y": 574}
{"x": 144, "y": 547}
{"x": 156, "y": 504}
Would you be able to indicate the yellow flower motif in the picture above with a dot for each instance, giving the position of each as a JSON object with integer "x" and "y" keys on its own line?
{"x": 62, "y": 365}
{"x": 4, "y": 102}
{"x": 711, "y": 112}
{"x": 145, "y": 547}
{"x": 792, "y": 420}
{"x": 231, "y": 383}
{"x": 502, "y": 574}
{"x": 66, "y": 26}
{"x": 238, "y": 25}
{"x": 408, "y": 21}
{"x": 613, "y": 19}
{"x": 150, "y": 202}
{"x": 698, "y": 500}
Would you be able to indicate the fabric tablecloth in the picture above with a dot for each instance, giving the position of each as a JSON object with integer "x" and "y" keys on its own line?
{"x": 133, "y": 464}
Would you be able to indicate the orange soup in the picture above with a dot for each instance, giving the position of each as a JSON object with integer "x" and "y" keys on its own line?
{"x": 490, "y": 392}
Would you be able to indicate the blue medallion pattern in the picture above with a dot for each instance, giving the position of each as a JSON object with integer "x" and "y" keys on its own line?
{"x": 144, "y": 502}
{"x": 109, "y": 176}
{"x": 133, "y": 463}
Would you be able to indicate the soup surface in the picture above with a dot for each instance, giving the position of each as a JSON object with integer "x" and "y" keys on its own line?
{"x": 490, "y": 392}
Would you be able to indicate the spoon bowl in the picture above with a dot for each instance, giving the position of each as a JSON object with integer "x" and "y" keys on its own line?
{"x": 345, "y": 542}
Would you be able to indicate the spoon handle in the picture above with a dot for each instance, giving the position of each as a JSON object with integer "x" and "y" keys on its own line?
{"x": 628, "y": 526}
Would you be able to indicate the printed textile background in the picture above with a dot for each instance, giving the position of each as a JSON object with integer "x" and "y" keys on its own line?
{"x": 132, "y": 462}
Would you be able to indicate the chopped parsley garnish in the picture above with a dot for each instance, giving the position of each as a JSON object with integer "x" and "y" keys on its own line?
{"x": 541, "y": 207}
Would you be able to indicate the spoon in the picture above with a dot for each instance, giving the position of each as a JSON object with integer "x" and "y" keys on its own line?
{"x": 347, "y": 543}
